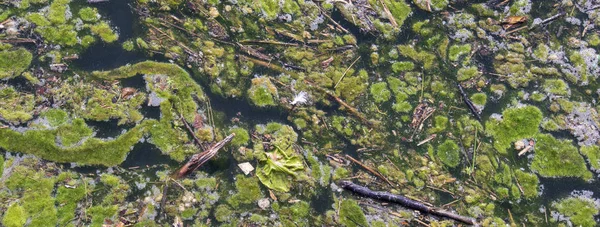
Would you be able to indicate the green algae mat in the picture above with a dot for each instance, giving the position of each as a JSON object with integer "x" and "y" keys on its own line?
{"x": 488, "y": 109}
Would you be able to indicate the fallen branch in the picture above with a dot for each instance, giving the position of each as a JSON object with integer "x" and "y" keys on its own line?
{"x": 369, "y": 169}
{"x": 198, "y": 159}
{"x": 404, "y": 201}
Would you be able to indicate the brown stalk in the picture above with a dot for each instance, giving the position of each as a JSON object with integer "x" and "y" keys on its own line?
{"x": 374, "y": 172}
{"x": 198, "y": 159}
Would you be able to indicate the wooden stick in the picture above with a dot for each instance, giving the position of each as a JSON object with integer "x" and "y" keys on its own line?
{"x": 369, "y": 169}
{"x": 346, "y": 71}
{"x": 198, "y": 159}
{"x": 404, "y": 201}
{"x": 192, "y": 132}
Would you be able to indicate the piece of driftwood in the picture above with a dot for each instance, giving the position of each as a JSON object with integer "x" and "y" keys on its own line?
{"x": 198, "y": 159}
{"x": 405, "y": 202}
{"x": 474, "y": 110}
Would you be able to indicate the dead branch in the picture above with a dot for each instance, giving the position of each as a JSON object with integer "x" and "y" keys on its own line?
{"x": 404, "y": 201}
{"x": 374, "y": 172}
{"x": 198, "y": 159}
{"x": 187, "y": 126}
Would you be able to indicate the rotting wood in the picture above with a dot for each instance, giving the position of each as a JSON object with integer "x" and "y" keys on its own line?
{"x": 198, "y": 159}
{"x": 374, "y": 172}
{"x": 404, "y": 201}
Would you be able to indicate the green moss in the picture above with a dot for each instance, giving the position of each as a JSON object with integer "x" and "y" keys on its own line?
{"x": 248, "y": 191}
{"x": 92, "y": 152}
{"x": 456, "y": 51}
{"x": 241, "y": 136}
{"x": 516, "y": 124}
{"x": 380, "y": 93}
{"x": 57, "y": 12}
{"x": 558, "y": 158}
{"x": 402, "y": 66}
{"x": 594, "y": 40}
{"x": 467, "y": 73}
{"x": 592, "y": 153}
{"x": 16, "y": 107}
{"x": 263, "y": 93}
{"x": 529, "y": 183}
{"x": 579, "y": 210}
{"x": 556, "y": 87}
{"x": 101, "y": 213}
{"x": 223, "y": 213}
{"x": 67, "y": 200}
{"x": 71, "y": 134}
{"x": 89, "y": 14}
{"x": 351, "y": 214}
{"x": 427, "y": 59}
{"x": 449, "y": 153}
{"x": 479, "y": 99}
{"x": 128, "y": 45}
{"x": 14, "y": 62}
{"x": 351, "y": 87}
{"x": 104, "y": 31}
{"x": 550, "y": 125}
{"x": 14, "y": 216}
{"x": 440, "y": 123}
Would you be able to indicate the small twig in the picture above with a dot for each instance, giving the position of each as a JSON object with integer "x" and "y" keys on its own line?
{"x": 514, "y": 30}
{"x": 547, "y": 20}
{"x": 389, "y": 14}
{"x": 187, "y": 126}
{"x": 369, "y": 169}
{"x": 346, "y": 71}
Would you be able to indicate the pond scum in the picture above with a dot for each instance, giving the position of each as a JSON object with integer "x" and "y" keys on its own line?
{"x": 316, "y": 92}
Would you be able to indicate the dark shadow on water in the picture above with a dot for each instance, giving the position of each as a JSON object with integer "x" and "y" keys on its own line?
{"x": 146, "y": 154}
{"x": 103, "y": 56}
{"x": 107, "y": 129}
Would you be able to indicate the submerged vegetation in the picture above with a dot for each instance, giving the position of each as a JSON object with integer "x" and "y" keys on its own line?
{"x": 488, "y": 109}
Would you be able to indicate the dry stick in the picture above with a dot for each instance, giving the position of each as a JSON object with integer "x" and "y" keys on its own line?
{"x": 369, "y": 169}
{"x": 346, "y": 71}
{"x": 404, "y": 201}
{"x": 271, "y": 42}
{"x": 198, "y": 159}
{"x": 514, "y": 30}
{"x": 389, "y": 14}
{"x": 547, "y": 20}
{"x": 192, "y": 132}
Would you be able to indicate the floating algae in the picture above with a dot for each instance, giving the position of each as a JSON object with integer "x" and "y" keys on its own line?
{"x": 487, "y": 109}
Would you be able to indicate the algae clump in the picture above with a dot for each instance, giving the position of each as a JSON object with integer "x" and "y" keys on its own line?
{"x": 517, "y": 123}
{"x": 579, "y": 210}
{"x": 262, "y": 93}
{"x": 14, "y": 216}
{"x": 449, "y": 153}
{"x": 14, "y": 62}
{"x": 558, "y": 158}
{"x": 351, "y": 214}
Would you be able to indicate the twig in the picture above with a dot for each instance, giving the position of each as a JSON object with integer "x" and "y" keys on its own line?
{"x": 369, "y": 169}
{"x": 271, "y": 42}
{"x": 192, "y": 132}
{"x": 346, "y": 71}
{"x": 404, "y": 201}
{"x": 389, "y": 14}
{"x": 351, "y": 109}
{"x": 514, "y": 30}
{"x": 547, "y": 20}
{"x": 198, "y": 159}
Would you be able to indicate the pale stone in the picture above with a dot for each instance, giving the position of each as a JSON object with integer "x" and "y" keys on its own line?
{"x": 246, "y": 167}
